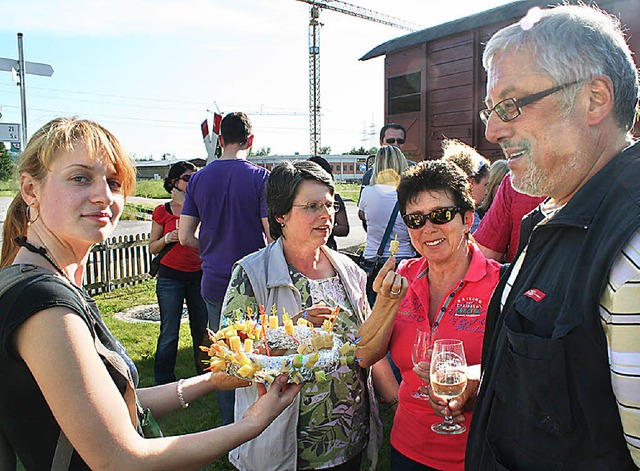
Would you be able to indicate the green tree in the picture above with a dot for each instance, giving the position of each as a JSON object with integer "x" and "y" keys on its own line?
{"x": 324, "y": 150}
{"x": 354, "y": 151}
{"x": 263, "y": 152}
{"x": 6, "y": 164}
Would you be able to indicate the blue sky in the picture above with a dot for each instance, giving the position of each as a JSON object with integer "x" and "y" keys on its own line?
{"x": 150, "y": 70}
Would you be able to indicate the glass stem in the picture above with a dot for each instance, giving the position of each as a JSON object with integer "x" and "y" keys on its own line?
{"x": 448, "y": 420}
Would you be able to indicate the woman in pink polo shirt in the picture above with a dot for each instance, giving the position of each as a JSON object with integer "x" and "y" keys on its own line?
{"x": 449, "y": 289}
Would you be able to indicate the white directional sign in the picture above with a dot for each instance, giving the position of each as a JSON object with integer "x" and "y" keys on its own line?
{"x": 9, "y": 132}
{"x": 31, "y": 68}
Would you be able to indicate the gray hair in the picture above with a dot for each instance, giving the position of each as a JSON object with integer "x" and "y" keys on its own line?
{"x": 574, "y": 43}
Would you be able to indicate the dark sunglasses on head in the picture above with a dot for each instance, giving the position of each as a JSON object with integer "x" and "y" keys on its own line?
{"x": 437, "y": 216}
{"x": 185, "y": 178}
{"x": 393, "y": 140}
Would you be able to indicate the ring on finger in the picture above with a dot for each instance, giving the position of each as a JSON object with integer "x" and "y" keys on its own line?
{"x": 395, "y": 292}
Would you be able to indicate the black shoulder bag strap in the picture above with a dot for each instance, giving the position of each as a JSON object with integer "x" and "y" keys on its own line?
{"x": 387, "y": 232}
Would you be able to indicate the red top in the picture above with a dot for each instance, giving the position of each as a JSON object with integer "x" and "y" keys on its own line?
{"x": 465, "y": 310}
{"x": 181, "y": 258}
{"x": 499, "y": 229}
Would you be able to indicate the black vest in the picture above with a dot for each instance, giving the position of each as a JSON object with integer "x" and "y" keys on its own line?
{"x": 546, "y": 401}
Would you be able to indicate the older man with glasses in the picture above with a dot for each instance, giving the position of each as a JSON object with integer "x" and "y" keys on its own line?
{"x": 561, "y": 353}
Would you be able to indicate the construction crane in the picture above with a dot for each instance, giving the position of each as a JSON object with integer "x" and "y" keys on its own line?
{"x": 314, "y": 52}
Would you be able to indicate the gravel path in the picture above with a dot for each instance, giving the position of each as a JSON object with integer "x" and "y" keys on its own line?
{"x": 146, "y": 313}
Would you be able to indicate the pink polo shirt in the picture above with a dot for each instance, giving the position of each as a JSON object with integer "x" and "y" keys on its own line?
{"x": 465, "y": 309}
{"x": 499, "y": 229}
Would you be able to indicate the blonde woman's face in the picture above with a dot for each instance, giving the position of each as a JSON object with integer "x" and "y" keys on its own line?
{"x": 80, "y": 200}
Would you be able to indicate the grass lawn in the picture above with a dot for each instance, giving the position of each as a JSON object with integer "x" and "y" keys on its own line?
{"x": 140, "y": 340}
{"x": 348, "y": 191}
{"x": 8, "y": 188}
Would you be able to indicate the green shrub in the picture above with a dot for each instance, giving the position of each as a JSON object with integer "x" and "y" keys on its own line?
{"x": 151, "y": 189}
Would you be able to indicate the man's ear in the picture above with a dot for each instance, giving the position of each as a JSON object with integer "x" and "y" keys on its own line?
{"x": 601, "y": 99}
{"x": 28, "y": 189}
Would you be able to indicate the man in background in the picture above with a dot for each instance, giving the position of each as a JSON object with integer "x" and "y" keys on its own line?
{"x": 390, "y": 135}
{"x": 227, "y": 201}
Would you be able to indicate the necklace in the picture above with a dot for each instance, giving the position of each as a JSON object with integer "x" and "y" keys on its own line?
{"x": 42, "y": 251}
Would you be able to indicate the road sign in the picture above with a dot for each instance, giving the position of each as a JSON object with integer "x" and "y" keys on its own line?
{"x": 9, "y": 132}
{"x": 362, "y": 167}
{"x": 31, "y": 68}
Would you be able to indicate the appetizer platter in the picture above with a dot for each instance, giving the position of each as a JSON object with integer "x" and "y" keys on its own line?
{"x": 260, "y": 349}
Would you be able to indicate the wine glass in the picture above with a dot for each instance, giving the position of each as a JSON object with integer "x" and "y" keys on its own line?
{"x": 448, "y": 374}
{"x": 421, "y": 353}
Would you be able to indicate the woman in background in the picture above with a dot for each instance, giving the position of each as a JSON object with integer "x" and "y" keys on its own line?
{"x": 179, "y": 278}
{"x": 376, "y": 205}
{"x": 475, "y": 166}
{"x": 497, "y": 172}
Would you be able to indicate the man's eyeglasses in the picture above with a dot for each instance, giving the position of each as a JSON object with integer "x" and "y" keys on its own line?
{"x": 316, "y": 207}
{"x": 185, "y": 178}
{"x": 393, "y": 140}
{"x": 437, "y": 216}
{"x": 510, "y": 108}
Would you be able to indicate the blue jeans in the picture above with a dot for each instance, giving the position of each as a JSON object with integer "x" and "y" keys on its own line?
{"x": 226, "y": 399}
{"x": 171, "y": 295}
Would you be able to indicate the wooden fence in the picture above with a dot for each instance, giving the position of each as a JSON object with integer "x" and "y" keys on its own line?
{"x": 118, "y": 262}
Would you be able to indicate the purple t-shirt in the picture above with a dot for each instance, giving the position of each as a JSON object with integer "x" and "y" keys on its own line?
{"x": 228, "y": 196}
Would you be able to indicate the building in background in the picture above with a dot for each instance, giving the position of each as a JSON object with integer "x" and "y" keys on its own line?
{"x": 159, "y": 169}
{"x": 435, "y": 83}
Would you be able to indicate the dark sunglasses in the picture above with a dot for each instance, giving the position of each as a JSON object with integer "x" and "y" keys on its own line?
{"x": 437, "y": 216}
{"x": 185, "y": 178}
{"x": 393, "y": 140}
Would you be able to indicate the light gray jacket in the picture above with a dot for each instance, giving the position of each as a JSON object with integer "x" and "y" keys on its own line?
{"x": 276, "y": 448}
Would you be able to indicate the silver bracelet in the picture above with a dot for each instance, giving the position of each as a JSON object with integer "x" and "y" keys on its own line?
{"x": 166, "y": 241}
{"x": 184, "y": 404}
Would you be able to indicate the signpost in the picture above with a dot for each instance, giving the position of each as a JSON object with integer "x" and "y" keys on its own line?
{"x": 19, "y": 68}
{"x": 9, "y": 132}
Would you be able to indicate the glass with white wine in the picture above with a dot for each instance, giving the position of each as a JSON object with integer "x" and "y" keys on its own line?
{"x": 448, "y": 374}
{"x": 421, "y": 353}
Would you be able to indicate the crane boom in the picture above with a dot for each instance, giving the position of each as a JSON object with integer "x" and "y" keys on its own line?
{"x": 364, "y": 13}
{"x": 314, "y": 52}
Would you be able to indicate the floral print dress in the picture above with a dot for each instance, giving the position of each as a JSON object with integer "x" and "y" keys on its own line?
{"x": 334, "y": 415}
